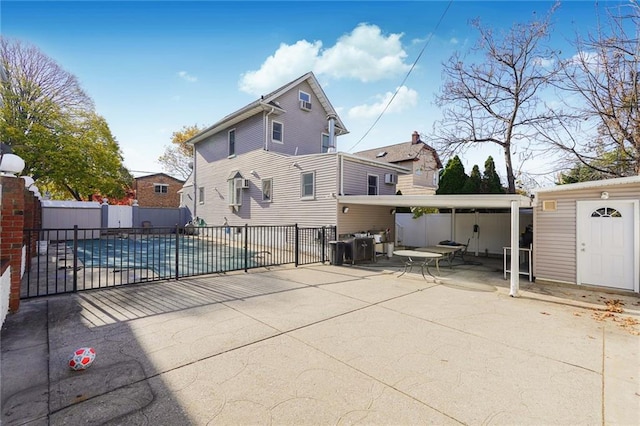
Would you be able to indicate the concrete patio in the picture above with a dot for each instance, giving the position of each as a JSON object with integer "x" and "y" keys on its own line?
{"x": 326, "y": 345}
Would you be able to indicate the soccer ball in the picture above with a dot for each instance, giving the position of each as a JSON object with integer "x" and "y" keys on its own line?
{"x": 82, "y": 358}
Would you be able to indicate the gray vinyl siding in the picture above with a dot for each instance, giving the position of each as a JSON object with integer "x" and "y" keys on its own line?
{"x": 249, "y": 136}
{"x": 286, "y": 206}
{"x": 355, "y": 178}
{"x": 302, "y": 129}
{"x": 555, "y": 232}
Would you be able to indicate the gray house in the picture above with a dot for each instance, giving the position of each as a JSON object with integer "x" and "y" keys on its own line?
{"x": 421, "y": 159}
{"x": 588, "y": 233}
{"x": 274, "y": 162}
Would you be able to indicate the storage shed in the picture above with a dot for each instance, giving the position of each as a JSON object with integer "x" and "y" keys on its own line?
{"x": 588, "y": 233}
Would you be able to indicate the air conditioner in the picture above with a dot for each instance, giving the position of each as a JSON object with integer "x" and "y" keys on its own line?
{"x": 305, "y": 105}
{"x": 242, "y": 183}
{"x": 390, "y": 178}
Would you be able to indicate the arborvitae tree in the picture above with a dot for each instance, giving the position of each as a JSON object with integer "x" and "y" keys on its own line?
{"x": 453, "y": 177}
{"x": 490, "y": 179}
{"x": 474, "y": 183}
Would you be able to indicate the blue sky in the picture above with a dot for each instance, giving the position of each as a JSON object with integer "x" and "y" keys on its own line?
{"x": 154, "y": 66}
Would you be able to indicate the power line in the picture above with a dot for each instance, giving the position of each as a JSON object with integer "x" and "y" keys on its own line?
{"x": 406, "y": 76}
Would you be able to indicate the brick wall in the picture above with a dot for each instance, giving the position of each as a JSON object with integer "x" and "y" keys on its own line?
{"x": 147, "y": 197}
{"x": 11, "y": 230}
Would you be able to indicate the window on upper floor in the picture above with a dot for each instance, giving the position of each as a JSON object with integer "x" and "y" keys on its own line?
{"x": 307, "y": 189}
{"x": 325, "y": 143}
{"x": 305, "y": 100}
{"x": 201, "y": 195}
{"x": 267, "y": 188}
{"x": 232, "y": 142}
{"x": 277, "y": 132}
{"x": 372, "y": 184}
{"x": 160, "y": 188}
{"x": 436, "y": 178}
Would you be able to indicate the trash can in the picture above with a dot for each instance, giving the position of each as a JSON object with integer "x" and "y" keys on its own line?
{"x": 337, "y": 252}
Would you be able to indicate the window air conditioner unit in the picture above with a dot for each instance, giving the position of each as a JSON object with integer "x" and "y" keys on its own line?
{"x": 305, "y": 105}
{"x": 242, "y": 183}
{"x": 390, "y": 178}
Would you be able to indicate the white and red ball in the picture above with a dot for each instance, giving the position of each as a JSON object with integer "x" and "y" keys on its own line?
{"x": 82, "y": 359}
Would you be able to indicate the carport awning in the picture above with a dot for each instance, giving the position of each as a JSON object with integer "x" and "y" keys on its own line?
{"x": 484, "y": 201}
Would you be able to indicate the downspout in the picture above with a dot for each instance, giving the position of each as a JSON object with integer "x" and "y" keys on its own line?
{"x": 195, "y": 184}
{"x": 266, "y": 129}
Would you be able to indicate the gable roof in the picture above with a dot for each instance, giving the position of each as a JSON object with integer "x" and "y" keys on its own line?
{"x": 159, "y": 174}
{"x": 590, "y": 184}
{"x": 399, "y": 152}
{"x": 267, "y": 103}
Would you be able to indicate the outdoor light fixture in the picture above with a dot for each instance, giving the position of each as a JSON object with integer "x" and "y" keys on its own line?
{"x": 392, "y": 211}
{"x": 345, "y": 209}
{"x": 604, "y": 195}
{"x": 10, "y": 164}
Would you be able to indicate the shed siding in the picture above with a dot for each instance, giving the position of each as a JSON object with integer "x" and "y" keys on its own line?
{"x": 555, "y": 232}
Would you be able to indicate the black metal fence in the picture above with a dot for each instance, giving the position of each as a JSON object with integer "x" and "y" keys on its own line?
{"x": 75, "y": 259}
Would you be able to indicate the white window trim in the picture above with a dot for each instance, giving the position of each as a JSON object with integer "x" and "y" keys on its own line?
{"x": 201, "y": 195}
{"x": 231, "y": 155}
{"x": 322, "y": 140}
{"x": 270, "y": 199}
{"x": 235, "y": 193}
{"x": 307, "y": 197}
{"x": 377, "y": 183}
{"x": 300, "y": 93}
{"x": 281, "y": 132}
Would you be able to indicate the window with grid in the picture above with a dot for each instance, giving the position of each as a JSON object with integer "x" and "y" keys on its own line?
{"x": 308, "y": 185}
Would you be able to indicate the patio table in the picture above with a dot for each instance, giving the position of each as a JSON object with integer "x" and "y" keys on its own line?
{"x": 447, "y": 251}
{"x": 427, "y": 256}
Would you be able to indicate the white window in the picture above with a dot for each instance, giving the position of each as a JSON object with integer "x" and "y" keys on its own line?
{"x": 160, "y": 188}
{"x": 307, "y": 189}
{"x": 201, "y": 195}
{"x": 304, "y": 96}
{"x": 235, "y": 191}
{"x": 277, "y": 131}
{"x": 267, "y": 188}
{"x": 232, "y": 142}
{"x": 325, "y": 143}
{"x": 372, "y": 184}
{"x": 436, "y": 178}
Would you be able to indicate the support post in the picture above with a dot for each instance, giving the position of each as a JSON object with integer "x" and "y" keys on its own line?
{"x": 515, "y": 249}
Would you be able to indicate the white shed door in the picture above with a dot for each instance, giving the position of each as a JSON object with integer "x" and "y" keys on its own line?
{"x": 606, "y": 243}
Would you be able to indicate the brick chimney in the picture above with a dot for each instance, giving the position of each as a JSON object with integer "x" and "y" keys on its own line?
{"x": 415, "y": 138}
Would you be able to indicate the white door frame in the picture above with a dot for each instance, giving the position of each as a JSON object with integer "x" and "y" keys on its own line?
{"x": 582, "y": 205}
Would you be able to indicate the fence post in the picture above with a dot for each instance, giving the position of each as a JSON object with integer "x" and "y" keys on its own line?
{"x": 323, "y": 244}
{"x": 246, "y": 246}
{"x": 297, "y": 245}
{"x": 177, "y": 252}
{"x": 75, "y": 258}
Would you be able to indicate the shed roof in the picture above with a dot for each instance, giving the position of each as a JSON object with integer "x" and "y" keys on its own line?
{"x": 590, "y": 184}
{"x": 399, "y": 152}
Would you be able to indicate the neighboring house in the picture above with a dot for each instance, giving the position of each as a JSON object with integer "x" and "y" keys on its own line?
{"x": 157, "y": 190}
{"x": 274, "y": 162}
{"x": 415, "y": 155}
{"x": 588, "y": 233}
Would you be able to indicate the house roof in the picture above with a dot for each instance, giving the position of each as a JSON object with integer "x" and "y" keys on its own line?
{"x": 399, "y": 152}
{"x": 590, "y": 184}
{"x": 267, "y": 103}
{"x": 159, "y": 174}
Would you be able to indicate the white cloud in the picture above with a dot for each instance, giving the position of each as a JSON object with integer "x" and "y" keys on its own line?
{"x": 365, "y": 54}
{"x": 454, "y": 40}
{"x": 187, "y": 77}
{"x": 405, "y": 99}
{"x": 287, "y": 63}
{"x": 545, "y": 62}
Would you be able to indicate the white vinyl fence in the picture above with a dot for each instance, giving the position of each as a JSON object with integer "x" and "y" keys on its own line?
{"x": 491, "y": 234}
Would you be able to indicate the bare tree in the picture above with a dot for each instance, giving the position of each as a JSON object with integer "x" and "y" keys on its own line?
{"x": 177, "y": 158}
{"x": 497, "y": 101}
{"x": 603, "y": 79}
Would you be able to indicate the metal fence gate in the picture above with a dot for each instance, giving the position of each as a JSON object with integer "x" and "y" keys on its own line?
{"x": 76, "y": 259}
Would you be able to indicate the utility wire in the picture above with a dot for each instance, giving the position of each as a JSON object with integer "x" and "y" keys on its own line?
{"x": 406, "y": 76}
